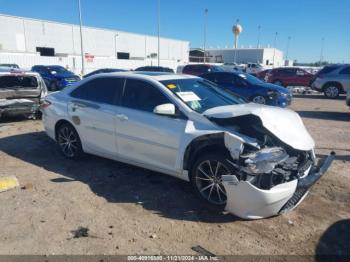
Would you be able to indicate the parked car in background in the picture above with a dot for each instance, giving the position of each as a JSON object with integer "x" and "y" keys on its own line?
{"x": 325, "y": 70}
{"x": 104, "y": 70}
{"x": 20, "y": 93}
{"x": 333, "y": 82}
{"x": 231, "y": 67}
{"x": 154, "y": 69}
{"x": 348, "y": 98}
{"x": 10, "y": 65}
{"x": 251, "y": 88}
{"x": 256, "y": 161}
{"x": 253, "y": 68}
{"x": 262, "y": 74}
{"x": 56, "y": 77}
{"x": 289, "y": 76}
{"x": 199, "y": 69}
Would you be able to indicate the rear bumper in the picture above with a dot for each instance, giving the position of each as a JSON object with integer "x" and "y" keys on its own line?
{"x": 249, "y": 202}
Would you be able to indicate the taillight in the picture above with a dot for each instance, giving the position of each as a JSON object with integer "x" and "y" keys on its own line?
{"x": 45, "y": 104}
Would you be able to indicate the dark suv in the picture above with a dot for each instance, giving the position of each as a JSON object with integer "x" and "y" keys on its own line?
{"x": 199, "y": 69}
{"x": 154, "y": 69}
{"x": 56, "y": 77}
{"x": 289, "y": 76}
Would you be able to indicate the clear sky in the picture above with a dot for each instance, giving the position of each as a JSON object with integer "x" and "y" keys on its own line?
{"x": 305, "y": 21}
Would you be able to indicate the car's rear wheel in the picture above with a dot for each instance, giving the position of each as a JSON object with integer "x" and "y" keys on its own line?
{"x": 69, "y": 142}
{"x": 331, "y": 90}
{"x": 206, "y": 178}
{"x": 259, "y": 100}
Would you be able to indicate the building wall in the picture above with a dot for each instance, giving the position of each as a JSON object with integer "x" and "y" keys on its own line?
{"x": 249, "y": 55}
{"x": 22, "y": 35}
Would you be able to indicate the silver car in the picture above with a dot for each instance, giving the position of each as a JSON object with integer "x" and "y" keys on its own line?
{"x": 333, "y": 80}
{"x": 348, "y": 99}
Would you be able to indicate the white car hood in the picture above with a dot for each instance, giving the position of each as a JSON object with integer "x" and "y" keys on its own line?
{"x": 285, "y": 124}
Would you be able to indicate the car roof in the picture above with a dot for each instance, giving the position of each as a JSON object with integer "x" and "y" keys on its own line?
{"x": 158, "y": 76}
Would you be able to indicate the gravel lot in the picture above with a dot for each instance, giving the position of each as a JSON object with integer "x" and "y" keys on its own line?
{"x": 130, "y": 210}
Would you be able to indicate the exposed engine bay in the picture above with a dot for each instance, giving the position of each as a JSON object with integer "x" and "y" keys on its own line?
{"x": 269, "y": 161}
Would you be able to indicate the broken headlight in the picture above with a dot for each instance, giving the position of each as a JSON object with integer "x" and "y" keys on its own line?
{"x": 264, "y": 160}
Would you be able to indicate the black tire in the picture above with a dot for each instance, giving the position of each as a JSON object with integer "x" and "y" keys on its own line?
{"x": 200, "y": 175}
{"x": 332, "y": 90}
{"x": 69, "y": 142}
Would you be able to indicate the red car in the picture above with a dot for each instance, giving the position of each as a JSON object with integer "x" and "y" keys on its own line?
{"x": 289, "y": 76}
{"x": 262, "y": 74}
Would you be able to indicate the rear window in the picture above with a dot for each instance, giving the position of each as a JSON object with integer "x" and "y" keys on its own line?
{"x": 14, "y": 81}
{"x": 327, "y": 69}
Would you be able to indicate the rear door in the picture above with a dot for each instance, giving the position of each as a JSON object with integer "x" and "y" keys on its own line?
{"x": 143, "y": 136}
{"x": 93, "y": 112}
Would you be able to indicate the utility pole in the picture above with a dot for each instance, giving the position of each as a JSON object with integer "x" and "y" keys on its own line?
{"x": 81, "y": 41}
{"x": 287, "y": 51}
{"x": 274, "y": 49}
{"x": 321, "y": 53}
{"x": 205, "y": 33}
{"x": 158, "y": 11}
{"x": 259, "y": 29}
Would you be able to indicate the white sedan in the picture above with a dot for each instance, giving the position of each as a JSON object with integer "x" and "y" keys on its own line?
{"x": 256, "y": 161}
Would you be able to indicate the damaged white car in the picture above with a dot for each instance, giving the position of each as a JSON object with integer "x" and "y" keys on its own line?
{"x": 255, "y": 161}
{"x": 20, "y": 92}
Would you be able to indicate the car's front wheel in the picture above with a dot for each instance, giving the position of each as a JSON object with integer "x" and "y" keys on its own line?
{"x": 69, "y": 142}
{"x": 259, "y": 100}
{"x": 206, "y": 178}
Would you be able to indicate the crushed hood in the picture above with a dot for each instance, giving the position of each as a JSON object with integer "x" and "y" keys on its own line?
{"x": 285, "y": 124}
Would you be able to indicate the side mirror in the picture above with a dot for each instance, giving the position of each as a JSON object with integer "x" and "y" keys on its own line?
{"x": 165, "y": 109}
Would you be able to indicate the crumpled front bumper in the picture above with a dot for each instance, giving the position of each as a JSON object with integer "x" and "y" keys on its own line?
{"x": 249, "y": 202}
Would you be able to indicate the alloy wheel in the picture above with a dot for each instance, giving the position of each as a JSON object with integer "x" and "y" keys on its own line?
{"x": 332, "y": 91}
{"x": 259, "y": 100}
{"x": 68, "y": 141}
{"x": 208, "y": 181}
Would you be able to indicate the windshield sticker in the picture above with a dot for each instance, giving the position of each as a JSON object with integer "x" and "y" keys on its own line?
{"x": 188, "y": 96}
{"x": 171, "y": 86}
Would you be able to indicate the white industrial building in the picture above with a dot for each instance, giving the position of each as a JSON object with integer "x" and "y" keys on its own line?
{"x": 265, "y": 56}
{"x": 27, "y": 42}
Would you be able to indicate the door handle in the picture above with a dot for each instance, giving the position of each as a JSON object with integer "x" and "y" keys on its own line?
{"x": 122, "y": 117}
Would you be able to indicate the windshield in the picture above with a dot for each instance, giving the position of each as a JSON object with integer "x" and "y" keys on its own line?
{"x": 57, "y": 69}
{"x": 250, "y": 79}
{"x": 18, "y": 81}
{"x": 201, "y": 95}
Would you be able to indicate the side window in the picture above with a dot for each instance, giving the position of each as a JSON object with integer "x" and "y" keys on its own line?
{"x": 345, "y": 71}
{"x": 101, "y": 90}
{"x": 143, "y": 96}
{"x": 224, "y": 79}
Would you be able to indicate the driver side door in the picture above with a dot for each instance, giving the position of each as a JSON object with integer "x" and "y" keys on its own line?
{"x": 143, "y": 136}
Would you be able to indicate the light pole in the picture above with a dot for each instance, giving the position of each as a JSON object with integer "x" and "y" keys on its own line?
{"x": 81, "y": 40}
{"x": 158, "y": 11}
{"x": 321, "y": 53}
{"x": 205, "y": 33}
{"x": 274, "y": 49}
{"x": 259, "y": 29}
{"x": 287, "y": 51}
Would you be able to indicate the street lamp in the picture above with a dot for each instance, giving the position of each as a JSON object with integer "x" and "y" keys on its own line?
{"x": 274, "y": 49}
{"x": 205, "y": 33}
{"x": 158, "y": 12}
{"x": 81, "y": 40}
{"x": 321, "y": 53}
{"x": 287, "y": 51}
{"x": 259, "y": 29}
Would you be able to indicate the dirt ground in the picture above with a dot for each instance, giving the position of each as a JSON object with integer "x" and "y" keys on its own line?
{"x": 128, "y": 210}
